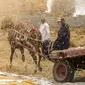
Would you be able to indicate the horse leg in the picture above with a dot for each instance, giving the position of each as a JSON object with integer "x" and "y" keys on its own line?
{"x": 23, "y": 57}
{"x": 22, "y": 53}
{"x": 40, "y": 51}
{"x": 11, "y": 56}
{"x": 40, "y": 57}
{"x": 35, "y": 60}
{"x": 39, "y": 67}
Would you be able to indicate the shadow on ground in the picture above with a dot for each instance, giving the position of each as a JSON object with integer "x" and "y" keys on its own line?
{"x": 79, "y": 79}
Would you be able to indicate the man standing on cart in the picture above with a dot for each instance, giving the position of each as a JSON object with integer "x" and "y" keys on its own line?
{"x": 45, "y": 33}
{"x": 63, "y": 40}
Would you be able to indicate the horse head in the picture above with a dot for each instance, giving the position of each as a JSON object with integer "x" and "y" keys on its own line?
{"x": 7, "y": 24}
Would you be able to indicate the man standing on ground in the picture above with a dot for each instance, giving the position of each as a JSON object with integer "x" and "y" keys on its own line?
{"x": 45, "y": 33}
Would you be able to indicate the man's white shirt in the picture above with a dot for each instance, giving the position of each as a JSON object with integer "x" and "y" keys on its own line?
{"x": 45, "y": 31}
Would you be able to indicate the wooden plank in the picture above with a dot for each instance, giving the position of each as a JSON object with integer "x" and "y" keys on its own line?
{"x": 71, "y": 52}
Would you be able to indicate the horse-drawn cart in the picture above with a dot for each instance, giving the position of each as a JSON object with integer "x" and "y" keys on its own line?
{"x": 67, "y": 62}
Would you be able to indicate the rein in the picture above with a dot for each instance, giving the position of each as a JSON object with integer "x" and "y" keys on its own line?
{"x": 32, "y": 50}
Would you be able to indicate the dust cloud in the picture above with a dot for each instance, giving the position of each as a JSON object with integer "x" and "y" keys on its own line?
{"x": 10, "y": 8}
{"x": 16, "y": 9}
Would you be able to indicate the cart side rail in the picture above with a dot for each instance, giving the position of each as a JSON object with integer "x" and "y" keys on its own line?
{"x": 68, "y": 53}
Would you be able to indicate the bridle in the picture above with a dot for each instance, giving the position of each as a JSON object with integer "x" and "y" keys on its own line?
{"x": 28, "y": 31}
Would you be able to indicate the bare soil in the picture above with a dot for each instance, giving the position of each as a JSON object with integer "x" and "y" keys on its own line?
{"x": 77, "y": 39}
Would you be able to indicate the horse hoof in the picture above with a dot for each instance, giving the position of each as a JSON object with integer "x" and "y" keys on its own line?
{"x": 10, "y": 66}
{"x": 35, "y": 71}
{"x": 40, "y": 69}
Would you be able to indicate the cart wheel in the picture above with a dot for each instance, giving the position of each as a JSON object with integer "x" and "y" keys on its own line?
{"x": 62, "y": 71}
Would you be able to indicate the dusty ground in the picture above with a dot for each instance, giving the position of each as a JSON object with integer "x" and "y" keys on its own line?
{"x": 77, "y": 39}
{"x": 18, "y": 65}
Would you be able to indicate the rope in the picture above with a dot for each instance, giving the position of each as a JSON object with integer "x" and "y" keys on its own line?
{"x": 31, "y": 49}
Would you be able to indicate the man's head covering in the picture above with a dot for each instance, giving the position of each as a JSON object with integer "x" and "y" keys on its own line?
{"x": 60, "y": 19}
{"x": 43, "y": 20}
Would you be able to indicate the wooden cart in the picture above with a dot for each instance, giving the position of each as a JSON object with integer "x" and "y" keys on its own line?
{"x": 67, "y": 62}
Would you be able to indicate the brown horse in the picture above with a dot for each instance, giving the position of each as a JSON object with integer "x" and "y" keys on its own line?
{"x": 17, "y": 40}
